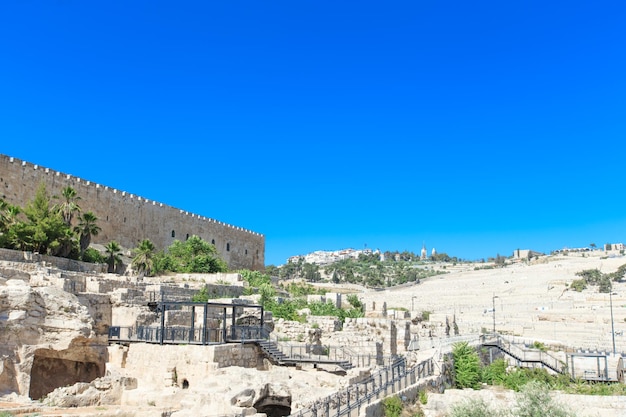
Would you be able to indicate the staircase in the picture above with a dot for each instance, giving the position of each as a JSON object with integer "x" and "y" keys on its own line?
{"x": 524, "y": 356}
{"x": 278, "y": 357}
{"x": 272, "y": 352}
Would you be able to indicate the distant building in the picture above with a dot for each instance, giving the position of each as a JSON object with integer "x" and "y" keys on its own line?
{"x": 433, "y": 253}
{"x": 423, "y": 254}
{"x": 613, "y": 247}
{"x": 525, "y": 254}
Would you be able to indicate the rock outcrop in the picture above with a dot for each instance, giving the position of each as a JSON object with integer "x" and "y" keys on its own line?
{"x": 49, "y": 337}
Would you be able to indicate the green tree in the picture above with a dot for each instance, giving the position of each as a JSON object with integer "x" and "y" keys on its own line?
{"x": 467, "y": 370}
{"x": 44, "y": 231}
{"x": 69, "y": 206}
{"x": 194, "y": 256}
{"x": 113, "y": 252}
{"x": 87, "y": 227}
{"x": 143, "y": 257}
{"x": 311, "y": 272}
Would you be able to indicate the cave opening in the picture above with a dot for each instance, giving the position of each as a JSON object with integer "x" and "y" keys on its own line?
{"x": 274, "y": 410}
{"x": 49, "y": 373}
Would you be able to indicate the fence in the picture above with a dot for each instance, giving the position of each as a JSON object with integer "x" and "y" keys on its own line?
{"x": 383, "y": 383}
{"x": 167, "y": 335}
{"x": 322, "y": 353}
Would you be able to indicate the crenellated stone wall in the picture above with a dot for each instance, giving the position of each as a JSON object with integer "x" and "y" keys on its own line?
{"x": 128, "y": 218}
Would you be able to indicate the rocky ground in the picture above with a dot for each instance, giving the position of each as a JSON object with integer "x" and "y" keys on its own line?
{"x": 532, "y": 300}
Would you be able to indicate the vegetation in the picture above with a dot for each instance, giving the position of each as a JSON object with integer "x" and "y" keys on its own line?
{"x": 288, "y": 308}
{"x": 392, "y": 406}
{"x": 299, "y": 289}
{"x": 594, "y": 277}
{"x": 113, "y": 255}
{"x": 534, "y": 400}
{"x": 195, "y": 255}
{"x": 143, "y": 257}
{"x": 467, "y": 370}
{"x": 469, "y": 373}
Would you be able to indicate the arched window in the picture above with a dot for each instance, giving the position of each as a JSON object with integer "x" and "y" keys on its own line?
{"x": 173, "y": 233}
{"x": 212, "y": 241}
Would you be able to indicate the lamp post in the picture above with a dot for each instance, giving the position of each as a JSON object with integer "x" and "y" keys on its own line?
{"x": 493, "y": 300}
{"x": 612, "y": 325}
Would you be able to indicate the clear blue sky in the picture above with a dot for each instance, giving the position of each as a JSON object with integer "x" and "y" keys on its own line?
{"x": 473, "y": 127}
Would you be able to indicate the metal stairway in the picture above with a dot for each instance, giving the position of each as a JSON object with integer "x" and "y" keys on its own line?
{"x": 524, "y": 356}
{"x": 278, "y": 357}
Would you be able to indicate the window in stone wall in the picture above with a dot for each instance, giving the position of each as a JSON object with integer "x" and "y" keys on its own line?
{"x": 124, "y": 219}
{"x": 187, "y": 237}
{"x": 246, "y": 251}
{"x": 173, "y": 233}
{"x": 212, "y": 241}
{"x": 228, "y": 247}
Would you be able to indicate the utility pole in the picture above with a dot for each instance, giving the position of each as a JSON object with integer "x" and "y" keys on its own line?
{"x": 493, "y": 300}
{"x": 612, "y": 325}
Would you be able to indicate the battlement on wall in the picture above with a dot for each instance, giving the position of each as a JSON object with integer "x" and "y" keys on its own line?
{"x": 129, "y": 218}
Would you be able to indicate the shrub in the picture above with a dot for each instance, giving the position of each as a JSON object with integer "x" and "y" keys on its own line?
{"x": 579, "y": 285}
{"x": 423, "y": 397}
{"x": 474, "y": 408}
{"x": 393, "y": 406}
{"x": 93, "y": 256}
{"x": 535, "y": 401}
{"x": 495, "y": 373}
{"x": 466, "y": 366}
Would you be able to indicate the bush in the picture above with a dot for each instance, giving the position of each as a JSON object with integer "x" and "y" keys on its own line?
{"x": 423, "y": 397}
{"x": 467, "y": 371}
{"x": 579, "y": 285}
{"x": 474, "y": 408}
{"x": 93, "y": 256}
{"x": 393, "y": 406}
{"x": 535, "y": 401}
{"x": 495, "y": 373}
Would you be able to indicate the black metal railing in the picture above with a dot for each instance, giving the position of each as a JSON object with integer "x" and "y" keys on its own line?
{"x": 383, "y": 383}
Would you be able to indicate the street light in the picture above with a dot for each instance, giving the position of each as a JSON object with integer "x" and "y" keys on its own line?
{"x": 611, "y": 294}
{"x": 493, "y": 300}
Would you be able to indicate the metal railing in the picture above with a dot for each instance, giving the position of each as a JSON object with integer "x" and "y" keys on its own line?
{"x": 523, "y": 354}
{"x": 185, "y": 334}
{"x": 328, "y": 353}
{"x": 383, "y": 383}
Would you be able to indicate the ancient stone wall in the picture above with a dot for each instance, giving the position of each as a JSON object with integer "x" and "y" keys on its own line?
{"x": 128, "y": 218}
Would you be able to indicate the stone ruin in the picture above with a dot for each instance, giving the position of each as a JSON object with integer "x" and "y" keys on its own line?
{"x": 54, "y": 346}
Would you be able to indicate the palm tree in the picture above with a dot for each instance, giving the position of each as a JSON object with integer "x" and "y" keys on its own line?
{"x": 8, "y": 215}
{"x": 113, "y": 250}
{"x": 143, "y": 260}
{"x": 69, "y": 206}
{"x": 86, "y": 228}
